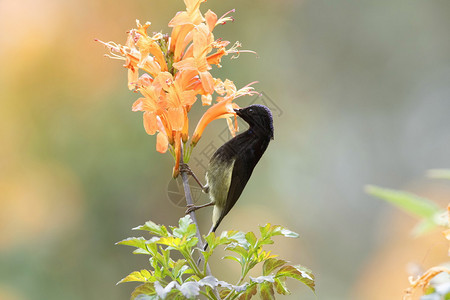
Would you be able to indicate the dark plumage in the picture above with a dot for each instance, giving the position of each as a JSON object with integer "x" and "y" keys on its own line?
{"x": 232, "y": 164}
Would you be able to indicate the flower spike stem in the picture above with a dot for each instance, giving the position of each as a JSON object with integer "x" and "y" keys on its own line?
{"x": 187, "y": 193}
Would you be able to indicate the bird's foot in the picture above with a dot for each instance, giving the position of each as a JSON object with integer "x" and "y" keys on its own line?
{"x": 190, "y": 208}
{"x": 185, "y": 168}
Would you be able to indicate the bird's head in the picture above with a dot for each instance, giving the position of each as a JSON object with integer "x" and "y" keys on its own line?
{"x": 259, "y": 117}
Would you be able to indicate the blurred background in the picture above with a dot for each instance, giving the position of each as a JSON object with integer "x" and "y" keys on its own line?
{"x": 362, "y": 90}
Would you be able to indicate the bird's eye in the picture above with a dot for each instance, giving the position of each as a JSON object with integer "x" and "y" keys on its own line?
{"x": 250, "y": 110}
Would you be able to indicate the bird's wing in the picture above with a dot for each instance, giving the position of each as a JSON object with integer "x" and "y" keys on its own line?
{"x": 242, "y": 170}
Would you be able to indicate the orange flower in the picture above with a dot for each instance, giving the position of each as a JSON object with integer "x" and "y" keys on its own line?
{"x": 223, "y": 109}
{"x": 202, "y": 45}
{"x": 182, "y": 24}
{"x": 175, "y": 71}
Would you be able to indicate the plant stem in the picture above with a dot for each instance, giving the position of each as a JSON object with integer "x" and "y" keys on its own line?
{"x": 187, "y": 193}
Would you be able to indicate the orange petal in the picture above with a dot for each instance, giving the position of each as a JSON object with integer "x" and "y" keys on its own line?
{"x": 188, "y": 98}
{"x": 181, "y": 18}
{"x": 214, "y": 59}
{"x": 176, "y": 168}
{"x": 176, "y": 118}
{"x": 218, "y": 110}
{"x": 178, "y": 51}
{"x": 185, "y": 64}
{"x": 185, "y": 131}
{"x": 133, "y": 76}
{"x": 207, "y": 82}
{"x": 162, "y": 143}
{"x": 202, "y": 40}
{"x": 211, "y": 19}
{"x": 206, "y": 99}
{"x": 137, "y": 105}
{"x": 150, "y": 123}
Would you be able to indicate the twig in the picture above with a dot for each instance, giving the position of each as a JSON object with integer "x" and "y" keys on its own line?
{"x": 187, "y": 193}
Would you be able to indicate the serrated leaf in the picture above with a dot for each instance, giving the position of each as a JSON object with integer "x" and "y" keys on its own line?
{"x": 144, "y": 289}
{"x": 159, "y": 230}
{"x": 299, "y": 273}
{"x": 237, "y": 248}
{"x": 415, "y": 205}
{"x": 211, "y": 240}
{"x": 139, "y": 276}
{"x": 264, "y": 230}
{"x": 266, "y": 291}
{"x": 210, "y": 281}
{"x": 271, "y": 264}
{"x": 140, "y": 251}
{"x": 249, "y": 292}
{"x": 138, "y": 242}
{"x": 190, "y": 289}
{"x": 185, "y": 228}
{"x": 191, "y": 242}
{"x": 280, "y": 286}
{"x": 262, "y": 279}
{"x": 170, "y": 241}
{"x": 237, "y": 237}
{"x": 251, "y": 238}
{"x": 163, "y": 291}
{"x": 179, "y": 268}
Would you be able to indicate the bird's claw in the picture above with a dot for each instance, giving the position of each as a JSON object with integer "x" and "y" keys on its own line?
{"x": 185, "y": 168}
{"x": 190, "y": 208}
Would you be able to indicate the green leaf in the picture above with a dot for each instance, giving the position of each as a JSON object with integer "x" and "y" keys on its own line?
{"x": 238, "y": 237}
{"x": 280, "y": 286}
{"x": 191, "y": 242}
{"x": 186, "y": 228}
{"x": 139, "y": 276}
{"x": 138, "y": 242}
{"x": 233, "y": 258}
{"x": 251, "y": 238}
{"x": 268, "y": 231}
{"x": 299, "y": 273}
{"x": 143, "y": 289}
{"x": 262, "y": 279}
{"x": 172, "y": 241}
{"x": 162, "y": 292}
{"x": 180, "y": 267}
{"x": 159, "y": 230}
{"x": 271, "y": 264}
{"x": 415, "y": 205}
{"x": 238, "y": 249}
{"x": 266, "y": 291}
{"x": 190, "y": 289}
{"x": 439, "y": 173}
{"x": 210, "y": 281}
{"x": 249, "y": 292}
{"x": 265, "y": 231}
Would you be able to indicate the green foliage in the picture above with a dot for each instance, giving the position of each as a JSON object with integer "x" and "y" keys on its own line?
{"x": 184, "y": 279}
{"x": 427, "y": 211}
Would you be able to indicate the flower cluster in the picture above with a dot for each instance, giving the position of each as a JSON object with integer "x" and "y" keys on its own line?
{"x": 175, "y": 71}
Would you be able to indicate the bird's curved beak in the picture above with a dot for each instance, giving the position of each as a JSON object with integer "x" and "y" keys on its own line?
{"x": 237, "y": 111}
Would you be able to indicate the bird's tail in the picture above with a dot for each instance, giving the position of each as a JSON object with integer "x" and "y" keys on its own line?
{"x": 213, "y": 229}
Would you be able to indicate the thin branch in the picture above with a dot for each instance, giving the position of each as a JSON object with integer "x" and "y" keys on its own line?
{"x": 187, "y": 193}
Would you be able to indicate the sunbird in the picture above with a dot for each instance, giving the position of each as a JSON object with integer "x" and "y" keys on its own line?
{"x": 232, "y": 164}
